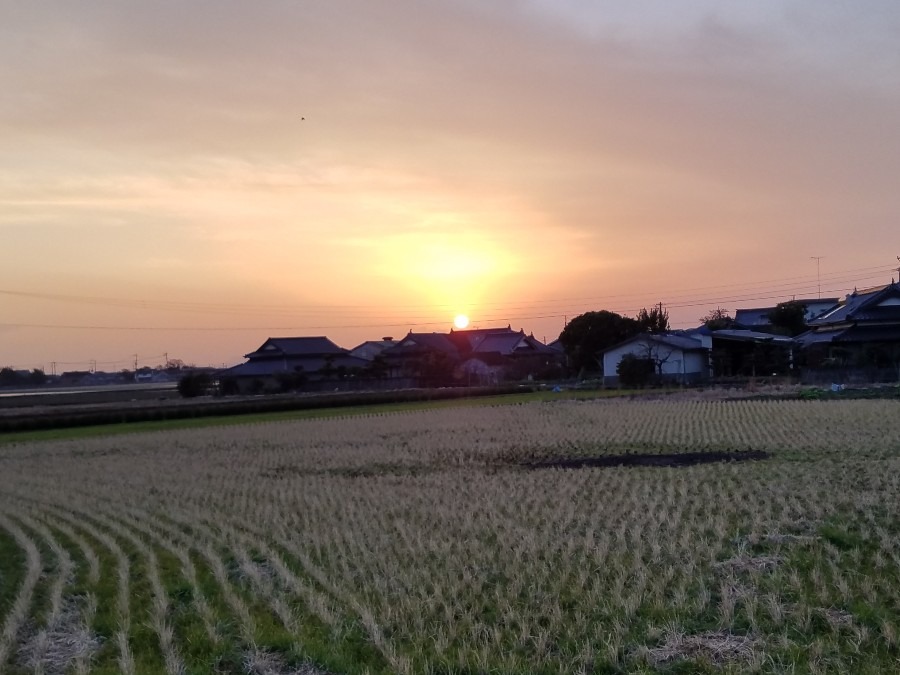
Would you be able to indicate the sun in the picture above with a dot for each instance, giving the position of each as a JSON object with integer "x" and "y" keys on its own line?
{"x": 461, "y": 321}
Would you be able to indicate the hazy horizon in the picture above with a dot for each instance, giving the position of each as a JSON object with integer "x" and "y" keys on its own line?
{"x": 194, "y": 178}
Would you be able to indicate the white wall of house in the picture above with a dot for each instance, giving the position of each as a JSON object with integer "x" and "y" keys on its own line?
{"x": 677, "y": 363}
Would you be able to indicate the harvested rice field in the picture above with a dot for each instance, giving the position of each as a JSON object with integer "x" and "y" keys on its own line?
{"x": 611, "y": 536}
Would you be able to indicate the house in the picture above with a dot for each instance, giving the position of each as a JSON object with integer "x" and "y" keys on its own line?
{"x": 757, "y": 318}
{"x": 557, "y": 345}
{"x": 694, "y": 356}
{"x": 736, "y": 352}
{"x": 862, "y": 331}
{"x": 675, "y": 357}
{"x": 476, "y": 356}
{"x": 371, "y": 348}
{"x": 422, "y": 359}
{"x": 488, "y": 356}
{"x": 289, "y": 362}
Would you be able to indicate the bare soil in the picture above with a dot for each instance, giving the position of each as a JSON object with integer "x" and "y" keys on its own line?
{"x": 674, "y": 459}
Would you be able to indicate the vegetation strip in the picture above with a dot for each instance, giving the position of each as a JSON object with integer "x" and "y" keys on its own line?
{"x": 63, "y": 417}
{"x": 18, "y": 612}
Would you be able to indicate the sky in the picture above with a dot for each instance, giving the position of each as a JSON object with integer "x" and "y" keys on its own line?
{"x": 188, "y": 179}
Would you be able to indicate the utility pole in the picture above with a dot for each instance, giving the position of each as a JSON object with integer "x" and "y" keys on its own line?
{"x": 135, "y": 362}
{"x": 818, "y": 259}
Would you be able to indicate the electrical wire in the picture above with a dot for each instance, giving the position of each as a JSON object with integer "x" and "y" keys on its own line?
{"x": 673, "y": 296}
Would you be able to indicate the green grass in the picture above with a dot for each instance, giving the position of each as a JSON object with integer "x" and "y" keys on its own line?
{"x": 320, "y": 413}
{"x": 12, "y": 571}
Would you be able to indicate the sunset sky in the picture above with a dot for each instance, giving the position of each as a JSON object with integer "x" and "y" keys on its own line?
{"x": 192, "y": 177}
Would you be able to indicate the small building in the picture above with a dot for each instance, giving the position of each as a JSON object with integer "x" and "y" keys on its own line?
{"x": 747, "y": 353}
{"x": 476, "y": 356}
{"x": 371, "y": 348}
{"x": 862, "y": 332}
{"x": 675, "y": 358}
{"x": 422, "y": 359}
{"x": 293, "y": 361}
{"x": 495, "y": 355}
{"x": 757, "y": 318}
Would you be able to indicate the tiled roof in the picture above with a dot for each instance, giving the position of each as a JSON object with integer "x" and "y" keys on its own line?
{"x": 309, "y": 364}
{"x": 296, "y": 346}
{"x": 852, "y": 308}
{"x": 383, "y": 344}
{"x": 677, "y": 341}
{"x": 870, "y": 334}
{"x": 469, "y": 339}
{"x": 681, "y": 342}
{"x": 749, "y": 336}
{"x": 418, "y": 341}
{"x": 813, "y": 337}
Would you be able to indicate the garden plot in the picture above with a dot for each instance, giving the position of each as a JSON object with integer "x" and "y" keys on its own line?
{"x": 427, "y": 542}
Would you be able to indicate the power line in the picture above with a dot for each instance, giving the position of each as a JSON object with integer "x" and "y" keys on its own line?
{"x": 696, "y": 303}
{"x": 394, "y": 321}
{"x": 318, "y": 310}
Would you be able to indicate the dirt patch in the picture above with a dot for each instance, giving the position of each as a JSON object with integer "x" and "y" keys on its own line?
{"x": 674, "y": 459}
{"x": 836, "y": 618}
{"x": 718, "y": 647}
{"x": 763, "y": 563}
{"x": 262, "y": 662}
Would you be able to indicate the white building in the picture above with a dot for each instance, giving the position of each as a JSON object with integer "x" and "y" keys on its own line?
{"x": 675, "y": 357}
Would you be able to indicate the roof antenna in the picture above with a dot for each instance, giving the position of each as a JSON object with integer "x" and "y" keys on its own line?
{"x": 818, "y": 259}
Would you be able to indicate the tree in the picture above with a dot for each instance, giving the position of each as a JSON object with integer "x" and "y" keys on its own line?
{"x": 717, "y": 319}
{"x": 9, "y": 377}
{"x": 657, "y": 354}
{"x": 586, "y": 336}
{"x": 655, "y": 321}
{"x": 228, "y": 386}
{"x": 378, "y": 368}
{"x": 37, "y": 377}
{"x": 788, "y": 318}
{"x": 327, "y": 369}
{"x": 435, "y": 368}
{"x": 291, "y": 381}
{"x": 194, "y": 384}
{"x": 634, "y": 371}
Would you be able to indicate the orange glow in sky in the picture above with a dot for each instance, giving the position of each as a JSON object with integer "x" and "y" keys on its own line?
{"x": 358, "y": 169}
